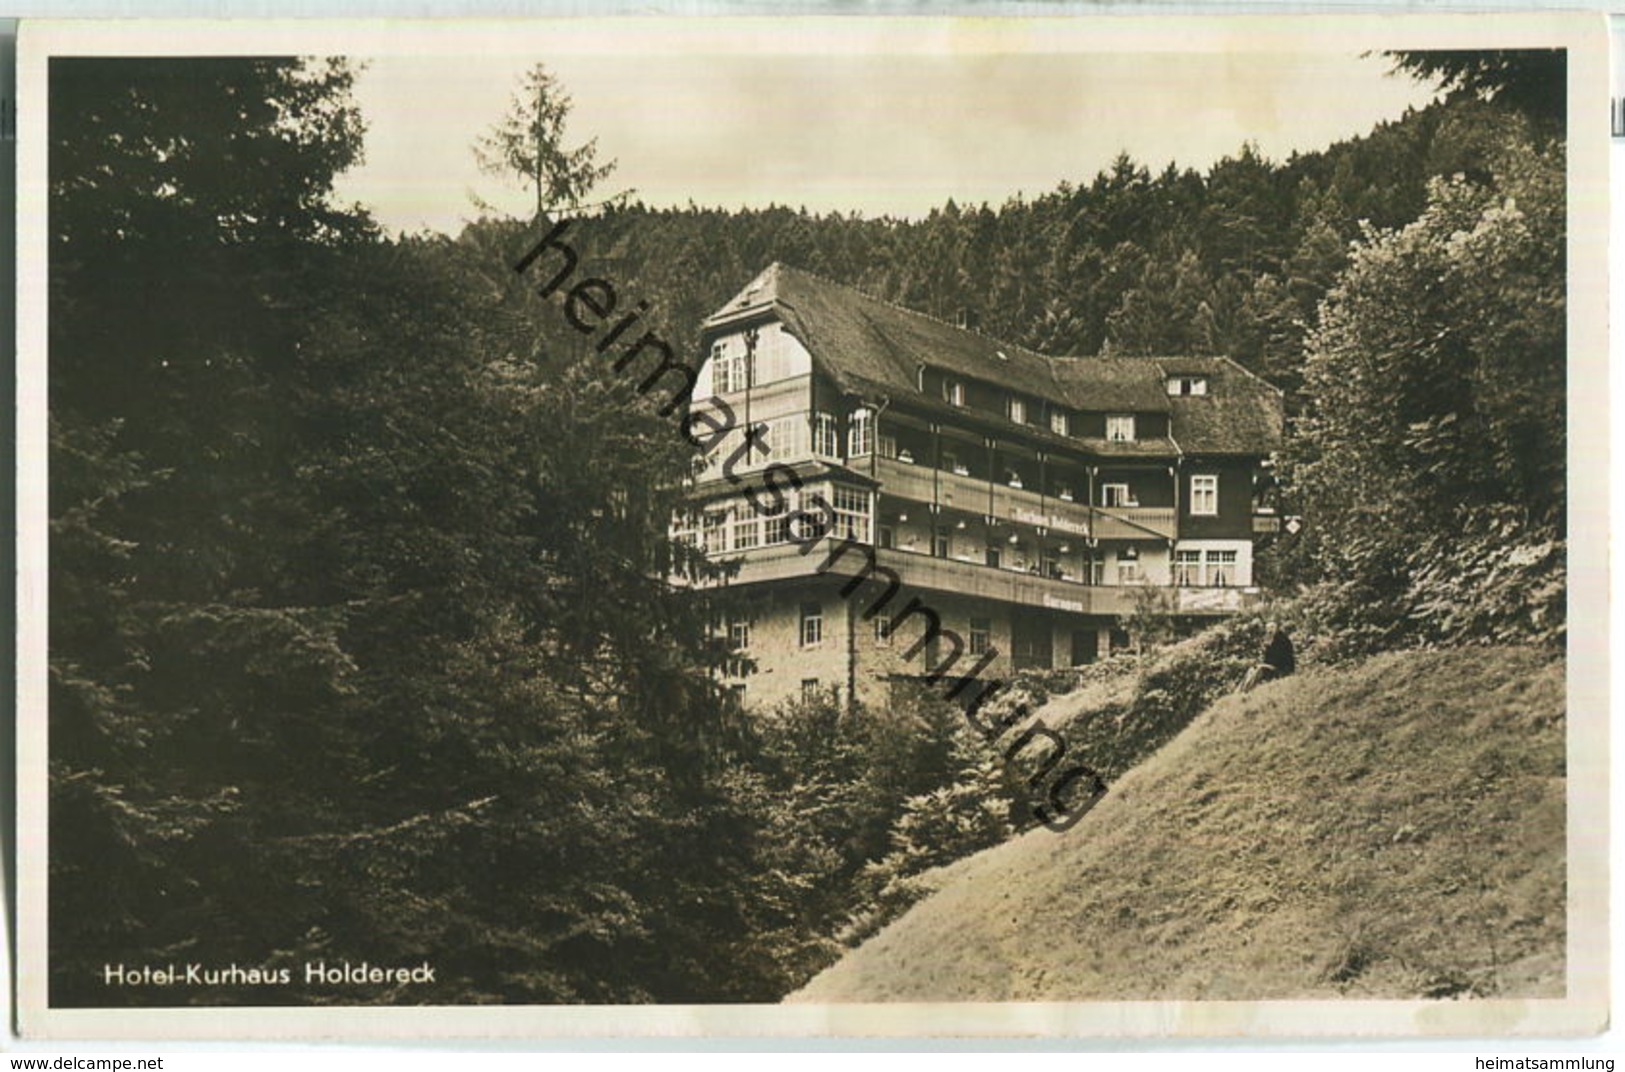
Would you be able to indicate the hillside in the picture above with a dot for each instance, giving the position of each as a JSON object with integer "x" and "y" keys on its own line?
{"x": 1372, "y": 832}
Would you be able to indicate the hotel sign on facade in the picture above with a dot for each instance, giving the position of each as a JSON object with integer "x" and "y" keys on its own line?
{"x": 1053, "y": 522}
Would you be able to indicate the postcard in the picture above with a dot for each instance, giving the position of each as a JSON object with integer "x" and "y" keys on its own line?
{"x": 1079, "y": 527}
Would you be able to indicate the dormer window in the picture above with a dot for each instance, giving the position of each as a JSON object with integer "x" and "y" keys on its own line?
{"x": 1184, "y": 386}
{"x": 826, "y": 437}
{"x": 1018, "y": 410}
{"x": 860, "y": 433}
{"x": 1120, "y": 428}
{"x": 953, "y": 392}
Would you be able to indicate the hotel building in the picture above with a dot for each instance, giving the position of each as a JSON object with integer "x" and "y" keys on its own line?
{"x": 1032, "y": 502}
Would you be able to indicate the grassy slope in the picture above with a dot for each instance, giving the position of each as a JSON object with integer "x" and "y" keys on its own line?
{"x": 1394, "y": 830}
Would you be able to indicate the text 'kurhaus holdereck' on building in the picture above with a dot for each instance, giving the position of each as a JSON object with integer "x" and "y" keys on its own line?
{"x": 1031, "y": 500}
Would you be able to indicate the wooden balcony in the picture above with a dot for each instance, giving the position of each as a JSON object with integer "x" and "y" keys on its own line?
{"x": 905, "y": 480}
{"x": 956, "y": 492}
{"x": 924, "y": 573}
{"x": 1134, "y": 523}
{"x": 922, "y": 483}
{"x": 1031, "y": 508}
{"x": 968, "y": 579}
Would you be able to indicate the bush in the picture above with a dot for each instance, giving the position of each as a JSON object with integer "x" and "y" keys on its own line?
{"x": 971, "y": 813}
{"x": 1135, "y": 707}
{"x": 1498, "y": 580}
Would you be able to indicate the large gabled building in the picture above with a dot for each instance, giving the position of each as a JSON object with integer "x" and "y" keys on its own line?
{"x": 1034, "y": 501}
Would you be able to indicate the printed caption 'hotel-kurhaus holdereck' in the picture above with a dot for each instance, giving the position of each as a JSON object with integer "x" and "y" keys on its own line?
{"x": 1032, "y": 501}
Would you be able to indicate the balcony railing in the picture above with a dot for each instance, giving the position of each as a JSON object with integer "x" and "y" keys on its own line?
{"x": 1134, "y": 523}
{"x": 974, "y": 581}
{"x": 919, "y": 572}
{"x": 922, "y": 483}
{"x": 967, "y": 493}
{"x": 1031, "y": 508}
{"x": 905, "y": 480}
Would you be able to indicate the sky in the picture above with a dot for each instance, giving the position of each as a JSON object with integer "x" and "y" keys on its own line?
{"x": 866, "y": 130}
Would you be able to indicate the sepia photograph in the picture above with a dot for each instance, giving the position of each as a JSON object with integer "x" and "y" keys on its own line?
{"x": 805, "y": 526}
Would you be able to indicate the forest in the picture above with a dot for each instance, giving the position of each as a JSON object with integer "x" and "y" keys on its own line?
{"x": 363, "y": 643}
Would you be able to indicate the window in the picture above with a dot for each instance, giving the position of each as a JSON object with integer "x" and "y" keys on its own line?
{"x": 747, "y": 531}
{"x": 851, "y": 513}
{"x": 882, "y": 632}
{"x": 940, "y": 544}
{"x": 1017, "y": 410}
{"x": 1059, "y": 422}
{"x": 812, "y": 625}
{"x": 981, "y": 636}
{"x": 776, "y": 525}
{"x": 736, "y": 696}
{"x": 953, "y": 392}
{"x": 714, "y": 534}
{"x": 827, "y": 442}
{"x": 1204, "y": 495}
{"x": 739, "y": 635}
{"x": 888, "y": 537}
{"x": 1116, "y": 495}
{"x": 771, "y": 359}
{"x": 995, "y": 555}
{"x": 730, "y": 371}
{"x": 721, "y": 369}
{"x": 683, "y": 526}
{"x": 1187, "y": 568}
{"x": 1128, "y": 570}
{"x": 787, "y": 438}
{"x": 888, "y": 447}
{"x": 1221, "y": 568}
{"x": 1120, "y": 428}
{"x": 860, "y": 433}
{"x": 809, "y": 690}
{"x": 1187, "y": 385}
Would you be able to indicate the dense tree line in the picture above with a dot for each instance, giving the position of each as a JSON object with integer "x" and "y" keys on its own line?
{"x": 362, "y": 643}
{"x": 1231, "y": 261}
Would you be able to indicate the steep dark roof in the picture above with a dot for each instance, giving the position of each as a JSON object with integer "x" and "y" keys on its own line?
{"x": 1096, "y": 384}
{"x": 860, "y": 337}
{"x": 867, "y": 344}
{"x": 1241, "y": 413}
